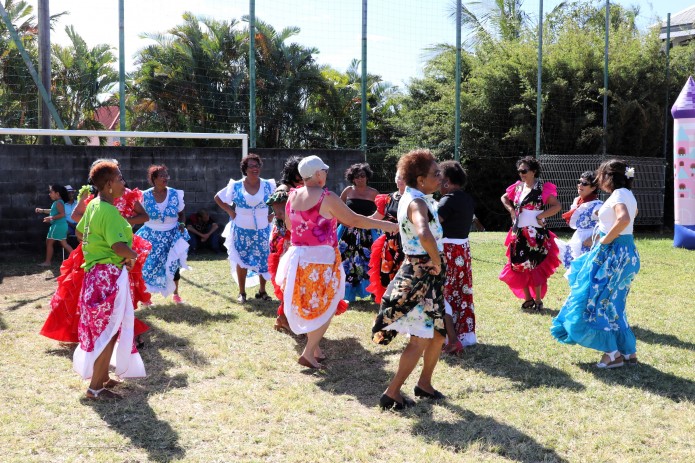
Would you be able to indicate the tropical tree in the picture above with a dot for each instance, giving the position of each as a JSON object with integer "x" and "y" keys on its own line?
{"x": 18, "y": 95}
{"x": 286, "y": 76}
{"x": 493, "y": 20}
{"x": 82, "y": 80}
{"x": 193, "y": 79}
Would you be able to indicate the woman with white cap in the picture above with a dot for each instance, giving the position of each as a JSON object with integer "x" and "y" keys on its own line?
{"x": 311, "y": 272}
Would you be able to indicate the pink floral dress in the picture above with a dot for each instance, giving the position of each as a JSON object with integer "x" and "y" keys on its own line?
{"x": 310, "y": 272}
{"x": 533, "y": 255}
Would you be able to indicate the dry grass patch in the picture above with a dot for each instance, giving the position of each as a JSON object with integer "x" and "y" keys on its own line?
{"x": 223, "y": 386}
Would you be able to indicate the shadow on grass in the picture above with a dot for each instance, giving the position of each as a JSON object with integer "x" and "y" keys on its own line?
{"x": 183, "y": 313}
{"x": 353, "y": 370}
{"x": 503, "y": 361}
{"x": 133, "y": 417}
{"x": 546, "y": 311}
{"x": 253, "y": 305}
{"x": 651, "y": 337}
{"x": 365, "y": 306}
{"x": 648, "y": 378}
{"x": 22, "y": 302}
{"x": 484, "y": 431}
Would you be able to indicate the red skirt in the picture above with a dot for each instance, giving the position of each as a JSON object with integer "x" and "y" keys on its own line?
{"x": 64, "y": 317}
{"x": 458, "y": 291}
{"x": 384, "y": 262}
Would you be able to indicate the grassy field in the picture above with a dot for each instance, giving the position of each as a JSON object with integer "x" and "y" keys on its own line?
{"x": 222, "y": 386}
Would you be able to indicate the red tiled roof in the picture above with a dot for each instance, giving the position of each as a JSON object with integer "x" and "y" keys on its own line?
{"x": 109, "y": 116}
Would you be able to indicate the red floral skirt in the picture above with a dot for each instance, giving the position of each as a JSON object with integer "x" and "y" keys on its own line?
{"x": 458, "y": 291}
{"x": 64, "y": 317}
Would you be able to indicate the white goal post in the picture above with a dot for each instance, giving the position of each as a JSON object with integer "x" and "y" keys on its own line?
{"x": 131, "y": 134}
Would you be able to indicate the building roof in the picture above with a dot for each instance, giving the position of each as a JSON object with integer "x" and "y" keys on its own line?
{"x": 682, "y": 24}
{"x": 109, "y": 116}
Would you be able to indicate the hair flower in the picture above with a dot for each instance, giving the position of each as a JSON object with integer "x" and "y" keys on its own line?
{"x": 630, "y": 172}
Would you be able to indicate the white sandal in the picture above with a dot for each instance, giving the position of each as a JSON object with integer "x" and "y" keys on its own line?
{"x": 101, "y": 394}
{"x": 616, "y": 360}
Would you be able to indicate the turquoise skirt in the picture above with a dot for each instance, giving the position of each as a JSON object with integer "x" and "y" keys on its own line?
{"x": 594, "y": 314}
{"x": 58, "y": 230}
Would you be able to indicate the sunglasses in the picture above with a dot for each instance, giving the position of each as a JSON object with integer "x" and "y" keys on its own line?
{"x": 522, "y": 171}
{"x": 360, "y": 175}
{"x": 583, "y": 183}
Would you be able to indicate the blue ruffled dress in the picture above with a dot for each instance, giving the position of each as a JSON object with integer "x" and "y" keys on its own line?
{"x": 594, "y": 315}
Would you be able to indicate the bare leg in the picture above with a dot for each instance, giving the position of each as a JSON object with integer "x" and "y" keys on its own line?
{"x": 262, "y": 284}
{"x": 537, "y": 290}
{"x": 241, "y": 276}
{"x": 527, "y": 294}
{"x": 453, "y": 344}
{"x": 66, "y": 246}
{"x": 101, "y": 366}
{"x": 431, "y": 358}
{"x": 409, "y": 359}
{"x": 451, "y": 337}
{"x": 49, "y": 252}
{"x": 312, "y": 343}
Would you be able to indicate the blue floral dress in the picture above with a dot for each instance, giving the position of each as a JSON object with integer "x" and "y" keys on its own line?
{"x": 355, "y": 250}
{"x": 594, "y": 313}
{"x": 584, "y": 221}
{"x": 169, "y": 245}
{"x": 247, "y": 236}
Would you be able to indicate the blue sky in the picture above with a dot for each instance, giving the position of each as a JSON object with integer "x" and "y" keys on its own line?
{"x": 399, "y": 31}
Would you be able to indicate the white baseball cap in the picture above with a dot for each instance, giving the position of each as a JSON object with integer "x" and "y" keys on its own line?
{"x": 309, "y": 165}
{"x": 69, "y": 188}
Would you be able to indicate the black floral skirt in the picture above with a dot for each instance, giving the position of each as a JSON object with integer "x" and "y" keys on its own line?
{"x": 413, "y": 287}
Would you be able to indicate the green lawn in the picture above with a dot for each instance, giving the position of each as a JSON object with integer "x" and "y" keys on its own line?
{"x": 223, "y": 386}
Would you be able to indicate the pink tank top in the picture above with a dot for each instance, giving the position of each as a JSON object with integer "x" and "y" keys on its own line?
{"x": 309, "y": 228}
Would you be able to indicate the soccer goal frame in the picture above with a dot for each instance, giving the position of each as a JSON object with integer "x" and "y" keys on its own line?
{"x": 131, "y": 134}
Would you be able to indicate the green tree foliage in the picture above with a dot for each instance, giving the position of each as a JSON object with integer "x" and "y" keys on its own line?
{"x": 82, "y": 79}
{"x": 18, "y": 95}
{"x": 498, "y": 94}
{"x": 193, "y": 79}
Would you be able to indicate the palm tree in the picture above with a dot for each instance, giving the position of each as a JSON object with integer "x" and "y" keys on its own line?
{"x": 82, "y": 76}
{"x": 493, "y": 20}
{"x": 286, "y": 76}
{"x": 18, "y": 94}
{"x": 192, "y": 79}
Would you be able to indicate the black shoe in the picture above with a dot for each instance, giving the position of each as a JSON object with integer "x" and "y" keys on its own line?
{"x": 387, "y": 402}
{"x": 436, "y": 395}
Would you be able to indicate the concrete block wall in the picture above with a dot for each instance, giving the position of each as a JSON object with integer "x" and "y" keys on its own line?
{"x": 27, "y": 170}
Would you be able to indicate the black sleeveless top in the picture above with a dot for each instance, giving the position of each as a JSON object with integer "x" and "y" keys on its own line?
{"x": 361, "y": 206}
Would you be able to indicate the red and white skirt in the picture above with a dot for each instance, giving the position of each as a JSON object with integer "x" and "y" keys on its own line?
{"x": 458, "y": 289}
{"x": 106, "y": 310}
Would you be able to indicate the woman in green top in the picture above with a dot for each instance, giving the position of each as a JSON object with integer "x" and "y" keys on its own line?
{"x": 105, "y": 330}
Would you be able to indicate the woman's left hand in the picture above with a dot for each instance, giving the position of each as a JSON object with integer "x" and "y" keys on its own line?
{"x": 434, "y": 269}
{"x": 47, "y": 219}
{"x": 129, "y": 263}
{"x": 541, "y": 222}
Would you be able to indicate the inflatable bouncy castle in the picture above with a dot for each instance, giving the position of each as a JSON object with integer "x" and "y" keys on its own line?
{"x": 683, "y": 113}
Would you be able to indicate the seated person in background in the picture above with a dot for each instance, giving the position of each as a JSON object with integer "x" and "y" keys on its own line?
{"x": 69, "y": 207}
{"x": 203, "y": 231}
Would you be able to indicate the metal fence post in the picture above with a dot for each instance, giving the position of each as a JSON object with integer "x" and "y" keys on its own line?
{"x": 539, "y": 83}
{"x": 121, "y": 68}
{"x": 457, "y": 110}
{"x": 252, "y": 73}
{"x": 364, "y": 79}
